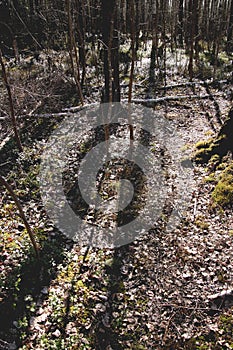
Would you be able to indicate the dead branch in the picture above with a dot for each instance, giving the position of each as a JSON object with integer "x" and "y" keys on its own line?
{"x": 168, "y": 98}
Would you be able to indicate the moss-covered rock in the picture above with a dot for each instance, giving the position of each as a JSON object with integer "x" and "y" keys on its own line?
{"x": 219, "y": 146}
{"x": 209, "y": 149}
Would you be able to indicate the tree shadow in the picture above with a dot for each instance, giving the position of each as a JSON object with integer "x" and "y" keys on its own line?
{"x": 28, "y": 280}
{"x": 106, "y": 337}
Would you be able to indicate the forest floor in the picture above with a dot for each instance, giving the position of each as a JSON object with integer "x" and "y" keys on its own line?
{"x": 169, "y": 290}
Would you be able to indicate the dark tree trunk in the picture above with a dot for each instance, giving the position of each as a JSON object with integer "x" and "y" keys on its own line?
{"x": 111, "y": 91}
{"x": 154, "y": 49}
{"x": 181, "y": 23}
{"x": 196, "y": 27}
{"x": 107, "y": 13}
{"x": 73, "y": 52}
{"x": 230, "y": 31}
{"x": 81, "y": 30}
{"x": 10, "y": 98}
{"x": 115, "y": 60}
{"x": 193, "y": 42}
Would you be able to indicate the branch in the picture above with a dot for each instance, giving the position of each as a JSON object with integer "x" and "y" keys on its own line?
{"x": 21, "y": 212}
{"x": 193, "y": 83}
{"x": 168, "y": 98}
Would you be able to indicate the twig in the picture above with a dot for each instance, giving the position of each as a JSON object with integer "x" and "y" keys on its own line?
{"x": 189, "y": 307}
{"x": 195, "y": 208}
{"x": 167, "y": 326}
{"x": 39, "y": 104}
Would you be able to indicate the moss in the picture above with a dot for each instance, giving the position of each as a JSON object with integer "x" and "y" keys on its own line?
{"x": 203, "y": 342}
{"x": 223, "y": 192}
{"x": 202, "y": 224}
{"x": 222, "y": 278}
{"x": 202, "y": 155}
{"x": 206, "y": 150}
{"x": 226, "y": 324}
{"x": 203, "y": 144}
{"x": 221, "y": 339}
{"x": 209, "y": 133}
{"x": 221, "y": 166}
{"x": 224, "y": 57}
{"x": 210, "y": 178}
{"x": 215, "y": 159}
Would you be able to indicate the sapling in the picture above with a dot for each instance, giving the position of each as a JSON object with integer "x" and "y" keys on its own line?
{"x": 21, "y": 212}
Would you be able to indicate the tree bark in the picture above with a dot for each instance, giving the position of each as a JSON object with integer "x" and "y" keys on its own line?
{"x": 111, "y": 92}
{"x": 12, "y": 110}
{"x": 115, "y": 58}
{"x": 193, "y": 43}
{"x": 73, "y": 50}
{"x": 154, "y": 49}
{"x": 81, "y": 30}
{"x": 230, "y": 31}
{"x": 181, "y": 23}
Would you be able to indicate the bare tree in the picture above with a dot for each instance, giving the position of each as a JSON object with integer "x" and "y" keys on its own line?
{"x": 154, "y": 49}
{"x": 11, "y": 103}
{"x": 193, "y": 21}
{"x": 110, "y": 39}
{"x": 73, "y": 52}
{"x": 230, "y": 30}
{"x": 181, "y": 23}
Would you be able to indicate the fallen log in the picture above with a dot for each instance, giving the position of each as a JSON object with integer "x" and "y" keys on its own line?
{"x": 154, "y": 101}
{"x": 144, "y": 101}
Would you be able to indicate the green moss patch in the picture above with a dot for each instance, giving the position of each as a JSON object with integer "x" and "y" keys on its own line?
{"x": 223, "y": 192}
{"x": 204, "y": 144}
{"x": 210, "y": 149}
{"x": 204, "y": 151}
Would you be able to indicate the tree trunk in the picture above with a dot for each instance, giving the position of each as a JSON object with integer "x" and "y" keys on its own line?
{"x": 133, "y": 56}
{"x": 12, "y": 110}
{"x": 81, "y": 30}
{"x": 154, "y": 49}
{"x": 73, "y": 51}
{"x": 181, "y": 23}
{"x": 133, "y": 59}
{"x": 115, "y": 59}
{"x": 107, "y": 14}
{"x": 111, "y": 92}
{"x": 230, "y": 31}
{"x": 193, "y": 15}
